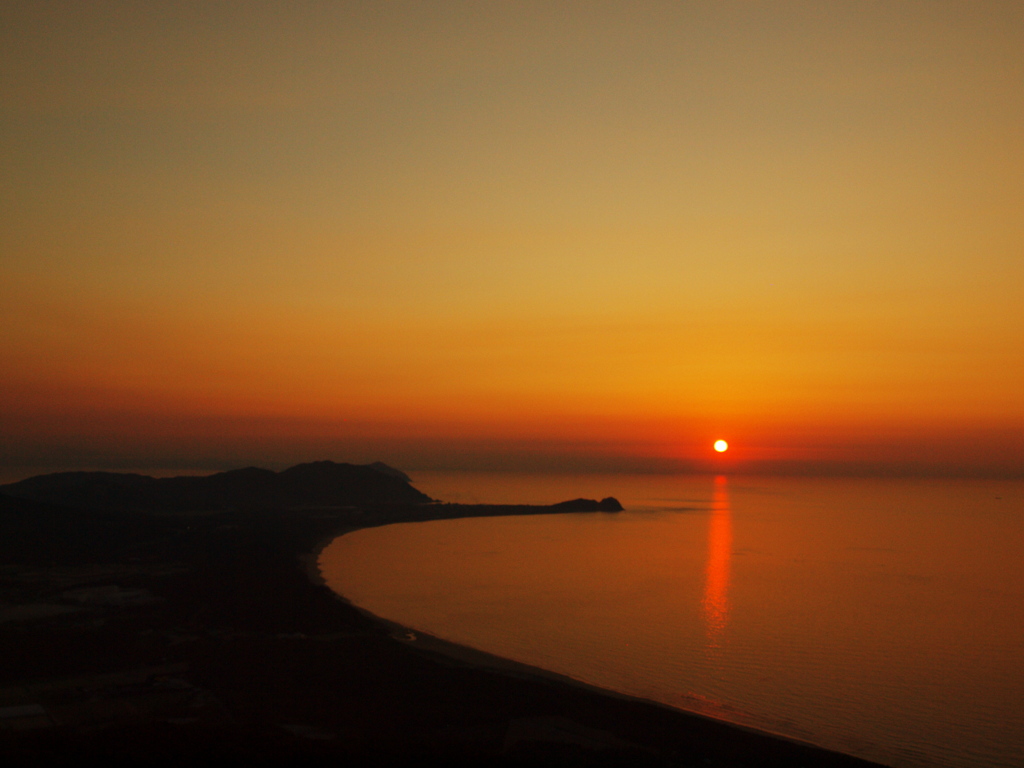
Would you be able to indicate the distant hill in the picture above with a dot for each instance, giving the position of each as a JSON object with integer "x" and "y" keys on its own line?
{"x": 317, "y": 484}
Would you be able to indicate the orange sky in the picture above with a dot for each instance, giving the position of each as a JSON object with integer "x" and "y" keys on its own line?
{"x": 533, "y": 235}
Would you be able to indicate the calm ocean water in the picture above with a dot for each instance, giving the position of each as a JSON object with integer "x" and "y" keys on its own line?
{"x": 884, "y": 618}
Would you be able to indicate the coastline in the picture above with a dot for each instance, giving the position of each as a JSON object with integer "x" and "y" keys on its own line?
{"x": 215, "y": 637}
{"x": 446, "y": 652}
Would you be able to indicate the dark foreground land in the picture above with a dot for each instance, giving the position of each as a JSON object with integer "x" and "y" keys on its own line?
{"x": 183, "y": 638}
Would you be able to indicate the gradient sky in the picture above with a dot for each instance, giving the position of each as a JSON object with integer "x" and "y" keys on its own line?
{"x": 566, "y": 235}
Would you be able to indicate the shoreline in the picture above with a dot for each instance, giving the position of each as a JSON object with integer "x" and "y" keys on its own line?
{"x": 216, "y": 636}
{"x": 442, "y": 651}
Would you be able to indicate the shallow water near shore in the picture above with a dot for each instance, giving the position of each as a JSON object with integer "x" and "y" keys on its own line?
{"x": 877, "y": 617}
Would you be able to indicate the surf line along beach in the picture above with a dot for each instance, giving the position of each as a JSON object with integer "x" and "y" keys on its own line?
{"x": 244, "y": 652}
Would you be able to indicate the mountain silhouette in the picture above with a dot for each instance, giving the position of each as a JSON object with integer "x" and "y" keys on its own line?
{"x": 317, "y": 484}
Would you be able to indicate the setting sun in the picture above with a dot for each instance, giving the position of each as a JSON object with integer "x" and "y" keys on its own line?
{"x": 721, "y": 446}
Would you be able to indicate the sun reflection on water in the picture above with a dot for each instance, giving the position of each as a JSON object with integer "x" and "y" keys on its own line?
{"x": 715, "y": 603}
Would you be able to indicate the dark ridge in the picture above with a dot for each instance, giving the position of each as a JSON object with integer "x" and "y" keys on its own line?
{"x": 318, "y": 484}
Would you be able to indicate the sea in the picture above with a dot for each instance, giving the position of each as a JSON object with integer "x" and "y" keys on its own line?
{"x": 883, "y": 618}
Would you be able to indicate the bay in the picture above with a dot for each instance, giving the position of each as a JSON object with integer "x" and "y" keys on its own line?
{"x": 877, "y": 617}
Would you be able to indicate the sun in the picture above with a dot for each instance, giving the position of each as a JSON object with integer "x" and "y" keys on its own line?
{"x": 721, "y": 446}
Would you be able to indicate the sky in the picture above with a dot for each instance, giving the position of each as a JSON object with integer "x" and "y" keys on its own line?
{"x": 519, "y": 235}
